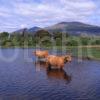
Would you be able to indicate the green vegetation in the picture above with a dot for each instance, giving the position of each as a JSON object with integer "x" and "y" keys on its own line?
{"x": 85, "y": 52}
{"x": 44, "y": 39}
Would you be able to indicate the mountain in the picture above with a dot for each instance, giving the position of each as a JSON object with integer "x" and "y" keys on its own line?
{"x": 20, "y": 31}
{"x": 74, "y": 28}
{"x": 32, "y": 30}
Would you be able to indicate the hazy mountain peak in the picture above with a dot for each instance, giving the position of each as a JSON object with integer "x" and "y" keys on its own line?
{"x": 34, "y": 29}
{"x": 73, "y": 23}
{"x": 73, "y": 28}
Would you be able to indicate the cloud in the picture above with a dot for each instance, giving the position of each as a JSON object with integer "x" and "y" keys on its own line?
{"x": 43, "y": 10}
{"x": 47, "y": 12}
{"x": 4, "y": 12}
{"x": 56, "y": 9}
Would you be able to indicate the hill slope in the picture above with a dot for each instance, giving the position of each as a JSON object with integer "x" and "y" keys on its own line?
{"x": 32, "y": 30}
{"x": 73, "y": 28}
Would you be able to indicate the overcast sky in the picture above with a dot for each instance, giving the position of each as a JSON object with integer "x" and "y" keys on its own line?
{"x": 16, "y": 14}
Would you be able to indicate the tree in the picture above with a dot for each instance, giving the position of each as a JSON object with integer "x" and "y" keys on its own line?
{"x": 4, "y": 35}
{"x": 42, "y": 34}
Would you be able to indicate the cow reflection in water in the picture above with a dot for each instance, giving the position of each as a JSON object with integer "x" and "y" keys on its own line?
{"x": 58, "y": 74}
{"x": 53, "y": 73}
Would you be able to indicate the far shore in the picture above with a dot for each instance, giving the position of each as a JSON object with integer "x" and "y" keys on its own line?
{"x": 70, "y": 50}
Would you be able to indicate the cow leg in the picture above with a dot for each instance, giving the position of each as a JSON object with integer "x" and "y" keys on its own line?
{"x": 49, "y": 66}
{"x": 61, "y": 67}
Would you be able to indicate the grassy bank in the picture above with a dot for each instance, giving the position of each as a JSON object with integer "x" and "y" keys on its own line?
{"x": 85, "y": 52}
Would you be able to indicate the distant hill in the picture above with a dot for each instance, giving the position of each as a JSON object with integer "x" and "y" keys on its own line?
{"x": 73, "y": 28}
{"x": 20, "y": 31}
{"x": 32, "y": 30}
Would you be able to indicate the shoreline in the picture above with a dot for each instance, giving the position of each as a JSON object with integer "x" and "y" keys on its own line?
{"x": 69, "y": 48}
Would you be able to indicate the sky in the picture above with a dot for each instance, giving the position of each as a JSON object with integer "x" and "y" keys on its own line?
{"x": 17, "y": 14}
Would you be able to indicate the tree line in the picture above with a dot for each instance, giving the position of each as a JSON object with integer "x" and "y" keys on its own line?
{"x": 46, "y": 39}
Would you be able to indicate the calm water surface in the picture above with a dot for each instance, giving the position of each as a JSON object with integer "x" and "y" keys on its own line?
{"x": 24, "y": 78}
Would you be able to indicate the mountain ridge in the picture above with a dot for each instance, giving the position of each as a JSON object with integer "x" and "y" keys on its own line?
{"x": 73, "y": 28}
